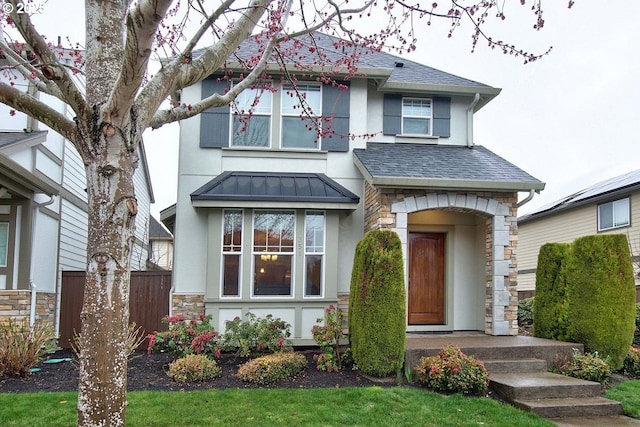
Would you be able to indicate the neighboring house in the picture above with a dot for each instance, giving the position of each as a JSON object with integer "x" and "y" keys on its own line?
{"x": 43, "y": 211}
{"x": 267, "y": 219}
{"x": 160, "y": 246}
{"x": 611, "y": 206}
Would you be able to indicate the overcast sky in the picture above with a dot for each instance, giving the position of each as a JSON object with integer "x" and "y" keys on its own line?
{"x": 570, "y": 119}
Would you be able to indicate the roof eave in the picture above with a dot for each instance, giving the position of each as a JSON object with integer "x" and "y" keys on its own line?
{"x": 259, "y": 204}
{"x": 487, "y": 93}
{"x": 456, "y": 184}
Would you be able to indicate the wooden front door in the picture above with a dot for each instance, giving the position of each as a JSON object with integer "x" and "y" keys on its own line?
{"x": 426, "y": 278}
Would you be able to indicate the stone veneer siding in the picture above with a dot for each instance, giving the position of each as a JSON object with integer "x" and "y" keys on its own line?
{"x": 389, "y": 208}
{"x": 16, "y": 304}
{"x": 188, "y": 305}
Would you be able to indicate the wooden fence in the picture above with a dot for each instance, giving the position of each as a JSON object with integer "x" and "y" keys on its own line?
{"x": 148, "y": 302}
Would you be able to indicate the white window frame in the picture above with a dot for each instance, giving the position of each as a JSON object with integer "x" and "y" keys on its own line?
{"x": 317, "y": 113}
{"x": 624, "y": 204}
{"x": 6, "y": 243}
{"x": 254, "y": 253}
{"x": 232, "y": 252}
{"x": 245, "y": 98}
{"x": 406, "y": 115}
{"x": 321, "y": 253}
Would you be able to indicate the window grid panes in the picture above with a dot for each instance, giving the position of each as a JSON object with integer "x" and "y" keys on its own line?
{"x": 231, "y": 252}
{"x": 613, "y": 214}
{"x": 251, "y": 116}
{"x": 416, "y": 116}
{"x": 4, "y": 243}
{"x": 314, "y": 230}
{"x": 273, "y": 247}
{"x": 299, "y": 131}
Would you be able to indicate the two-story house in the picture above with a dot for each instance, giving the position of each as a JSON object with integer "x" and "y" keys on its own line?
{"x": 43, "y": 209}
{"x": 610, "y": 206}
{"x": 267, "y": 216}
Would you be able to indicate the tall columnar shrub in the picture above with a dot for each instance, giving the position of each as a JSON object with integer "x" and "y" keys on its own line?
{"x": 550, "y": 305}
{"x": 377, "y": 313}
{"x": 601, "y": 292}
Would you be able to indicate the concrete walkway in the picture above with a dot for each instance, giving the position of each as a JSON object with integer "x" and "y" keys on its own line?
{"x": 617, "y": 421}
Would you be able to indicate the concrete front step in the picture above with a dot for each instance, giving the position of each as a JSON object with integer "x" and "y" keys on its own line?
{"x": 541, "y": 385}
{"x": 506, "y": 366}
{"x": 571, "y": 407}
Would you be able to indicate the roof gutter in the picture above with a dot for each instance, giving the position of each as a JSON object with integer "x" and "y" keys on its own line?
{"x": 475, "y": 101}
{"x": 527, "y": 199}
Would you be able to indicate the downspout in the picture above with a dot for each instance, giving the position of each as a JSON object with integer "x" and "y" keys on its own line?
{"x": 527, "y": 199}
{"x": 475, "y": 101}
{"x": 32, "y": 285}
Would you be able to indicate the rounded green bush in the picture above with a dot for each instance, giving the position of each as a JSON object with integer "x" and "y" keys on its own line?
{"x": 550, "y": 305}
{"x": 525, "y": 311}
{"x": 451, "y": 371}
{"x": 193, "y": 368}
{"x": 590, "y": 367}
{"x": 272, "y": 367}
{"x": 601, "y": 292}
{"x": 377, "y": 312}
{"x": 631, "y": 364}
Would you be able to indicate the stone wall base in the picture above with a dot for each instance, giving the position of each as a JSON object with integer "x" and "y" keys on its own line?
{"x": 188, "y": 305}
{"x": 16, "y": 304}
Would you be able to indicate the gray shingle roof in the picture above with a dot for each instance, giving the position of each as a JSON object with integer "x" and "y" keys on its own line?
{"x": 447, "y": 166}
{"x": 336, "y": 51}
{"x": 11, "y": 138}
{"x": 612, "y": 187}
{"x": 274, "y": 187}
{"x": 157, "y": 231}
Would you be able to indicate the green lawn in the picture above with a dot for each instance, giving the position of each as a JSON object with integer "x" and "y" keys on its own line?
{"x": 357, "y": 406}
{"x": 628, "y": 393}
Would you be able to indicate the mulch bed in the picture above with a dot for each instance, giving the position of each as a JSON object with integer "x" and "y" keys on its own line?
{"x": 148, "y": 372}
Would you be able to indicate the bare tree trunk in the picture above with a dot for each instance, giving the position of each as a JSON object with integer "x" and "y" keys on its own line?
{"x": 105, "y": 313}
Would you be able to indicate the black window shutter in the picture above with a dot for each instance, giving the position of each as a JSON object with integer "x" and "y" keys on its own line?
{"x": 442, "y": 117}
{"x": 214, "y": 122}
{"x": 392, "y": 114}
{"x": 335, "y": 104}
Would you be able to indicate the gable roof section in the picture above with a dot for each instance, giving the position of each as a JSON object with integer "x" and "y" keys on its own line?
{"x": 257, "y": 189}
{"x": 601, "y": 191}
{"x": 445, "y": 167}
{"x": 393, "y": 73}
{"x": 157, "y": 231}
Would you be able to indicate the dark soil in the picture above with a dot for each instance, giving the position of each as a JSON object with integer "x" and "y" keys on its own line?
{"x": 148, "y": 372}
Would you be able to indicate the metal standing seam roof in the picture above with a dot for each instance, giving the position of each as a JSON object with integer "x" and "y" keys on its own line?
{"x": 274, "y": 187}
{"x": 441, "y": 166}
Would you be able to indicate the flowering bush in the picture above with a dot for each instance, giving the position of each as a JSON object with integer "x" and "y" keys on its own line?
{"x": 328, "y": 338}
{"x": 589, "y": 366}
{"x": 194, "y": 367}
{"x": 195, "y": 336}
{"x": 256, "y": 335}
{"x": 631, "y": 364}
{"x": 451, "y": 371}
{"x": 272, "y": 367}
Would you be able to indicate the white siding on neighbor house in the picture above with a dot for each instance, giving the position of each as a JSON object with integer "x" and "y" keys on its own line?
{"x": 48, "y": 166}
{"x": 73, "y": 237}
{"x": 139, "y": 252}
{"x": 565, "y": 227}
{"x": 74, "y": 179}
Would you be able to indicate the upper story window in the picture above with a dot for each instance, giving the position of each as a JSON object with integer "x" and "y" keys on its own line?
{"x": 251, "y": 119}
{"x": 416, "y": 116}
{"x": 298, "y": 128}
{"x": 614, "y": 214}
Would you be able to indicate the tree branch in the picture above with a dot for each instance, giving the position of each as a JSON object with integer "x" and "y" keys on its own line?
{"x": 142, "y": 23}
{"x": 68, "y": 89}
{"x": 39, "y": 110}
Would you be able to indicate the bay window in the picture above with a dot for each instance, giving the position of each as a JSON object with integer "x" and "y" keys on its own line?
{"x": 273, "y": 251}
{"x": 231, "y": 252}
{"x": 313, "y": 253}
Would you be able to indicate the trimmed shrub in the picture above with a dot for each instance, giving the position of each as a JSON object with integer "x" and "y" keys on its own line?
{"x": 636, "y": 335}
{"x": 194, "y": 368}
{"x": 272, "y": 367}
{"x": 550, "y": 306}
{"x": 451, "y": 371}
{"x": 589, "y": 366}
{"x": 601, "y": 292}
{"x": 631, "y": 364}
{"x": 256, "y": 335}
{"x": 195, "y": 336}
{"x": 377, "y": 313}
{"x": 22, "y": 346}
{"x": 525, "y": 312}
